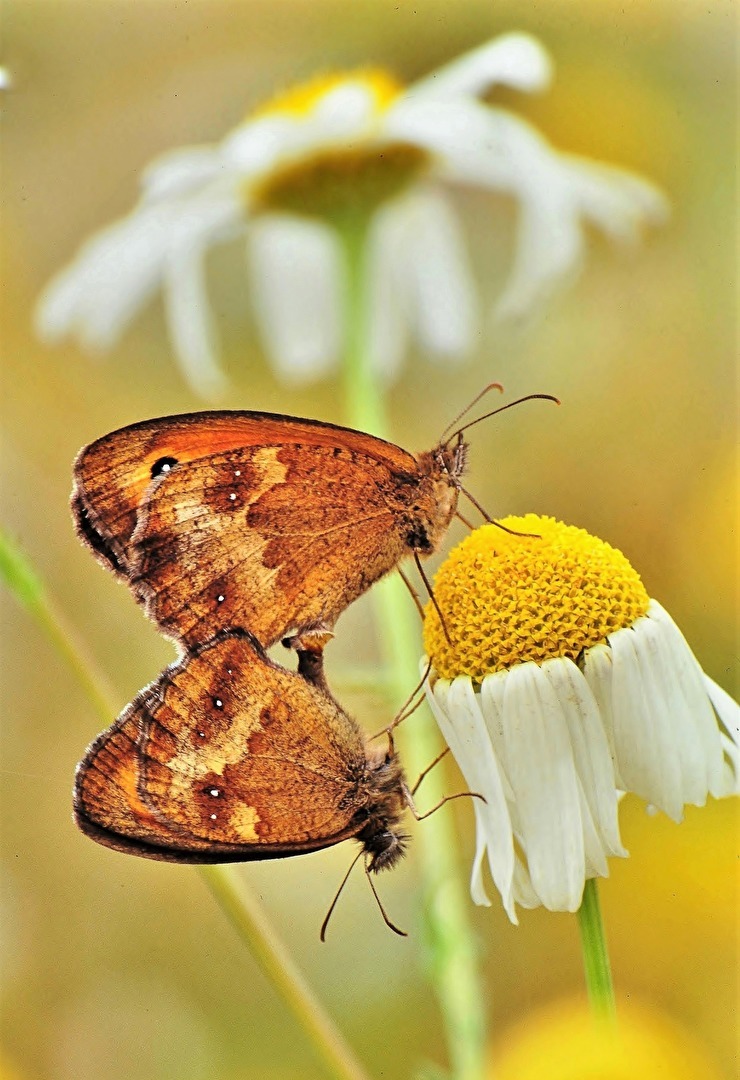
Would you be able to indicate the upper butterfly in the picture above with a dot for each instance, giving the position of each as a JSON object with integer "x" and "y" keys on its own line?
{"x": 272, "y": 523}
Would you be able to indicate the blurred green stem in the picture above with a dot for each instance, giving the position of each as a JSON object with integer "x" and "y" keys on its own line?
{"x": 595, "y": 955}
{"x": 248, "y": 917}
{"x": 234, "y": 897}
{"x": 452, "y": 952}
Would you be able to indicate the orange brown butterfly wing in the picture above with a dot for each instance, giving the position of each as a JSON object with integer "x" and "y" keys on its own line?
{"x": 226, "y": 757}
{"x": 262, "y": 521}
{"x": 266, "y": 538}
{"x": 112, "y": 474}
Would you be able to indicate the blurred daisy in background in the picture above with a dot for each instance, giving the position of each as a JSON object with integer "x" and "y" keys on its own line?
{"x": 353, "y": 157}
{"x": 558, "y": 684}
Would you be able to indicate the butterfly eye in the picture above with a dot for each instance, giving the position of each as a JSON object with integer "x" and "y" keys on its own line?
{"x": 162, "y": 465}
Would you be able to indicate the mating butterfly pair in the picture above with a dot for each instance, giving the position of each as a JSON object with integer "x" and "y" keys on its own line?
{"x": 236, "y": 530}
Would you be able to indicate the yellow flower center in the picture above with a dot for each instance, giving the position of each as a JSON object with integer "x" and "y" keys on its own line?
{"x": 509, "y": 599}
{"x": 345, "y": 176}
{"x": 299, "y": 101}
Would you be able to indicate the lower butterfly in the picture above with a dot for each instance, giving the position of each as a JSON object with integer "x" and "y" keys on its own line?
{"x": 229, "y": 757}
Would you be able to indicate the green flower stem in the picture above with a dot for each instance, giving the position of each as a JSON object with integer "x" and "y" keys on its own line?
{"x": 246, "y": 914}
{"x": 595, "y": 955}
{"x": 231, "y": 892}
{"x": 451, "y": 949}
{"x": 25, "y": 584}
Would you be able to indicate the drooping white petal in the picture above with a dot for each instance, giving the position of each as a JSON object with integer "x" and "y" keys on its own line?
{"x": 492, "y": 690}
{"x": 729, "y": 783}
{"x": 190, "y": 323}
{"x": 516, "y": 60}
{"x": 542, "y": 774}
{"x": 524, "y": 893}
{"x": 180, "y": 172}
{"x": 648, "y": 762}
{"x": 295, "y": 271}
{"x": 556, "y": 193}
{"x": 597, "y": 671}
{"x": 590, "y": 749}
{"x": 255, "y": 147}
{"x": 200, "y": 224}
{"x": 593, "y": 849}
{"x": 442, "y": 283}
{"x": 615, "y": 200}
{"x": 727, "y": 709}
{"x": 460, "y": 720}
{"x": 112, "y": 276}
{"x": 687, "y": 675}
{"x": 657, "y": 654}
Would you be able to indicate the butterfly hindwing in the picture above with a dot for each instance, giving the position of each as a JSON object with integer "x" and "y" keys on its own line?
{"x": 226, "y": 757}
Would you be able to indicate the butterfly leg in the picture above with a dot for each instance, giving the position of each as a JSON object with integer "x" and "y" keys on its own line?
{"x": 448, "y": 798}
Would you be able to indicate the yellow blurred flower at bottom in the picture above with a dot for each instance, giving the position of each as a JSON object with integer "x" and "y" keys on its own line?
{"x": 565, "y": 1042}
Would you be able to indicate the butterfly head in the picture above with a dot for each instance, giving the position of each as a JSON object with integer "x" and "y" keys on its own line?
{"x": 385, "y": 786}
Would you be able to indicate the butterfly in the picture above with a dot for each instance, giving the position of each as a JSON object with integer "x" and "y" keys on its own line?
{"x": 229, "y": 757}
{"x": 274, "y": 523}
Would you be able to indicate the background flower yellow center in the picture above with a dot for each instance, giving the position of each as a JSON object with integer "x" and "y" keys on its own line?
{"x": 509, "y": 599}
{"x": 381, "y": 87}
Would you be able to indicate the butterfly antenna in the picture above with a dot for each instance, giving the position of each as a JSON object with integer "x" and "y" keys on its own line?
{"x": 432, "y": 597}
{"x": 412, "y": 590}
{"x": 333, "y": 904}
{"x": 386, "y": 920}
{"x": 464, "y": 520}
{"x": 476, "y": 399}
{"x": 503, "y": 408}
{"x": 477, "y": 505}
{"x": 492, "y": 521}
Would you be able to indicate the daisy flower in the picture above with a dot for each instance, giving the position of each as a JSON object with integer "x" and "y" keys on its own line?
{"x": 561, "y": 685}
{"x": 348, "y": 152}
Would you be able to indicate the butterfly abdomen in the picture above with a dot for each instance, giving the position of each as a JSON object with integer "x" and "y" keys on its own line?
{"x": 385, "y": 790}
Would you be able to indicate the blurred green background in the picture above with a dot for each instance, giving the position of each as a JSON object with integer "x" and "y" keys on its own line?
{"x": 114, "y": 967}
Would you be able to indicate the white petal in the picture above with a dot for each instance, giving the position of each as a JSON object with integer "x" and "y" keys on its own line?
{"x": 648, "y": 762}
{"x": 295, "y": 272}
{"x": 727, "y": 709}
{"x": 729, "y": 783}
{"x": 593, "y": 848}
{"x": 200, "y": 222}
{"x": 190, "y": 324}
{"x": 516, "y": 60}
{"x": 492, "y": 690}
{"x": 690, "y": 680}
{"x": 524, "y": 893}
{"x": 255, "y": 147}
{"x": 180, "y": 172}
{"x": 597, "y": 671}
{"x": 344, "y": 115}
{"x": 615, "y": 200}
{"x": 557, "y": 193}
{"x": 590, "y": 749}
{"x": 542, "y": 773}
{"x": 111, "y": 277}
{"x": 388, "y": 288}
{"x": 442, "y": 281}
{"x": 461, "y": 723}
{"x": 655, "y": 649}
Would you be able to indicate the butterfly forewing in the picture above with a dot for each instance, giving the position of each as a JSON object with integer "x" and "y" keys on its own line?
{"x": 226, "y": 756}
{"x": 259, "y": 537}
{"x": 274, "y": 523}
